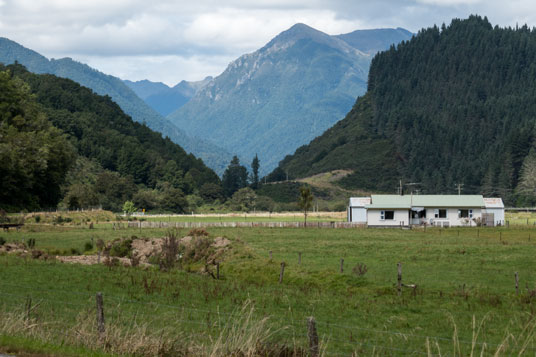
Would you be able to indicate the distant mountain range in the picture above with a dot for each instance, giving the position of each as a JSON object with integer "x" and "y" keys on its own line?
{"x": 164, "y": 99}
{"x": 11, "y": 52}
{"x": 280, "y": 97}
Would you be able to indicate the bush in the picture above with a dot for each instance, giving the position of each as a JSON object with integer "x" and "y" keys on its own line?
{"x": 360, "y": 269}
{"x": 121, "y": 248}
{"x": 2, "y": 241}
{"x": 75, "y": 251}
{"x": 88, "y": 246}
{"x": 30, "y": 243}
{"x": 37, "y": 219}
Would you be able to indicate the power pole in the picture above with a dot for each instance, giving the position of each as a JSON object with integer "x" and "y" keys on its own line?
{"x": 459, "y": 186}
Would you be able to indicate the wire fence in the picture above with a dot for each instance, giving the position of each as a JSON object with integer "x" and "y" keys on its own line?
{"x": 64, "y": 309}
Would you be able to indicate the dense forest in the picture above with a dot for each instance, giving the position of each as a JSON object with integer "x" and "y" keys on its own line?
{"x": 453, "y": 105}
{"x": 61, "y": 142}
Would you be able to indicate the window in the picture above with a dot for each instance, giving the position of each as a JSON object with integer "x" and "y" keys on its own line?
{"x": 463, "y": 213}
{"x": 387, "y": 215}
{"x": 440, "y": 213}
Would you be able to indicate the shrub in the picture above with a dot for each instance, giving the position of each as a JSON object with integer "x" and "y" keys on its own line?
{"x": 75, "y": 251}
{"x": 170, "y": 251}
{"x": 2, "y": 241}
{"x": 121, "y": 248}
{"x": 360, "y": 269}
{"x": 198, "y": 232}
{"x": 30, "y": 243}
{"x": 37, "y": 219}
{"x": 88, "y": 246}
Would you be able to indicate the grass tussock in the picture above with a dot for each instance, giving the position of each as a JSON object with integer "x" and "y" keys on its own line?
{"x": 242, "y": 335}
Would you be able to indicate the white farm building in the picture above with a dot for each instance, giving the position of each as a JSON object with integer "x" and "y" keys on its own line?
{"x": 433, "y": 210}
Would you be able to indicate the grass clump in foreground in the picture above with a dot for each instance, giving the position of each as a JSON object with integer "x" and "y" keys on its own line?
{"x": 465, "y": 301}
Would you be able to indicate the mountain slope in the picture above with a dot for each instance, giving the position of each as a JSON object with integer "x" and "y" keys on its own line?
{"x": 99, "y": 130}
{"x": 452, "y": 105}
{"x": 103, "y": 84}
{"x": 273, "y": 100}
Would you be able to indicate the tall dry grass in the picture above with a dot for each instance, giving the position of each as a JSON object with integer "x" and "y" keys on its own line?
{"x": 242, "y": 335}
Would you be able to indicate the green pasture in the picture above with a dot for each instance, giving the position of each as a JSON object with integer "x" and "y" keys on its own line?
{"x": 460, "y": 274}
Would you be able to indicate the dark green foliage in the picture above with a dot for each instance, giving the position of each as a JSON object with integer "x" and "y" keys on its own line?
{"x": 255, "y": 175}
{"x": 34, "y": 156}
{"x": 174, "y": 200}
{"x": 211, "y": 192}
{"x": 30, "y": 243}
{"x": 2, "y": 241}
{"x": 454, "y": 105}
{"x": 88, "y": 246}
{"x": 121, "y": 248}
{"x": 234, "y": 178}
{"x": 116, "y": 155}
{"x": 113, "y": 88}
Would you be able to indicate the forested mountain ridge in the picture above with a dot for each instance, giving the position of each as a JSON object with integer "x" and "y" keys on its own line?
{"x": 119, "y": 157}
{"x": 271, "y": 101}
{"x": 130, "y": 103}
{"x": 453, "y": 105}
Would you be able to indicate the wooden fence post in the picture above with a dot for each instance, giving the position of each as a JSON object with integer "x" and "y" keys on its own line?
{"x": 517, "y": 283}
{"x": 313, "y": 337}
{"x": 282, "y": 272}
{"x": 100, "y": 313}
{"x": 98, "y": 256}
{"x": 399, "y": 265}
{"x": 342, "y": 265}
{"x": 299, "y": 258}
{"x": 270, "y": 255}
{"x": 218, "y": 271}
{"x": 28, "y": 306}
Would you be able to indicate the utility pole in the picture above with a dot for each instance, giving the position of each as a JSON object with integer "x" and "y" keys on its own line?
{"x": 459, "y": 186}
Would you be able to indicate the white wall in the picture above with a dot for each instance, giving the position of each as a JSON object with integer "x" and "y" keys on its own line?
{"x": 452, "y": 219}
{"x": 498, "y": 215}
{"x": 358, "y": 215}
{"x": 401, "y": 217}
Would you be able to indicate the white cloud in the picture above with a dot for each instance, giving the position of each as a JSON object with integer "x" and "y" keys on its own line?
{"x": 170, "y": 40}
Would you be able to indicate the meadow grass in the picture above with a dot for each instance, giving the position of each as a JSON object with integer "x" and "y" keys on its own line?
{"x": 462, "y": 276}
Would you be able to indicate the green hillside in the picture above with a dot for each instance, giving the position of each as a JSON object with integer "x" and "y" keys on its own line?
{"x": 112, "y": 150}
{"x": 103, "y": 84}
{"x": 453, "y": 105}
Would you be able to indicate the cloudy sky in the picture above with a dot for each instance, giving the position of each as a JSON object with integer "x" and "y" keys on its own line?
{"x": 171, "y": 40}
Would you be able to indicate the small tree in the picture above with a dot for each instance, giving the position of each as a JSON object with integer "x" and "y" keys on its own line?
{"x": 128, "y": 207}
{"x": 305, "y": 201}
{"x": 255, "y": 175}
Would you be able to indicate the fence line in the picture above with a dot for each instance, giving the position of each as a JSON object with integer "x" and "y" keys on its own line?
{"x": 332, "y": 224}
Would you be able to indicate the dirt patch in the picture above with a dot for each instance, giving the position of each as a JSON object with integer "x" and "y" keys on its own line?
{"x": 13, "y": 248}
{"x": 147, "y": 249}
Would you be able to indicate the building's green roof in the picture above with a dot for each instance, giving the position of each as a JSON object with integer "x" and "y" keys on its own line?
{"x": 439, "y": 201}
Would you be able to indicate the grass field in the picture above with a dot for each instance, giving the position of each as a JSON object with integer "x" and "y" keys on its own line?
{"x": 461, "y": 275}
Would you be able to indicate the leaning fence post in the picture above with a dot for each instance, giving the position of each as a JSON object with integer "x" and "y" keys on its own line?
{"x": 313, "y": 337}
{"x": 517, "y": 283}
{"x": 342, "y": 265}
{"x": 282, "y": 272}
{"x": 28, "y": 306}
{"x": 399, "y": 265}
{"x": 100, "y": 313}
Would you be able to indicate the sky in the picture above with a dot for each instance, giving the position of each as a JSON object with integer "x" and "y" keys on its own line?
{"x": 174, "y": 40}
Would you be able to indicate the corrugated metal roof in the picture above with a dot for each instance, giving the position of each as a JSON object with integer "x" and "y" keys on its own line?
{"x": 359, "y": 201}
{"x": 494, "y": 202}
{"x": 408, "y": 201}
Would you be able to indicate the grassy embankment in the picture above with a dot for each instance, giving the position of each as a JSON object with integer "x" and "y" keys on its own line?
{"x": 460, "y": 274}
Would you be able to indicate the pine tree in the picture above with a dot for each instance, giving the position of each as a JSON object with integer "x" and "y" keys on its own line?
{"x": 255, "y": 167}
